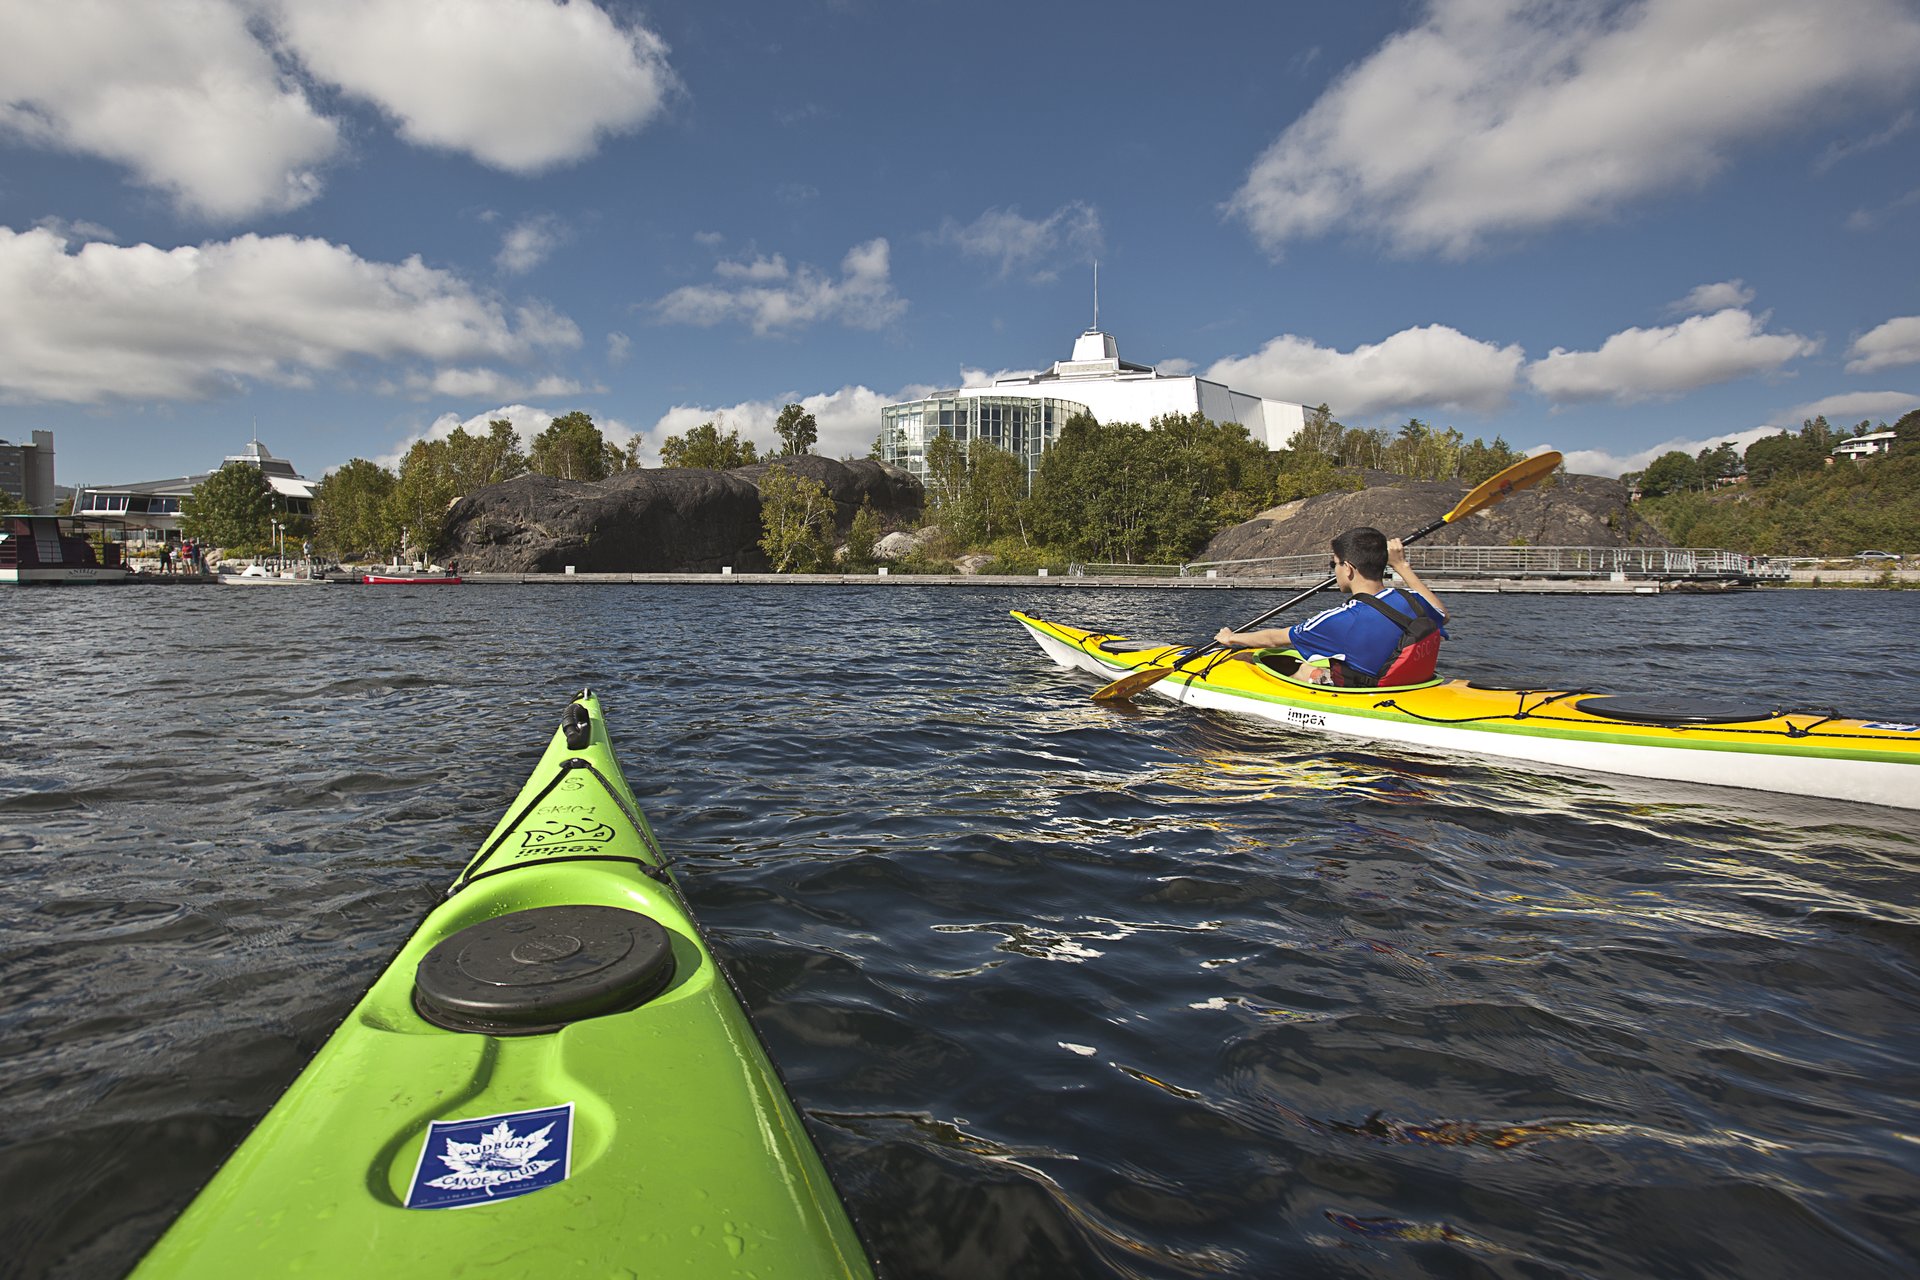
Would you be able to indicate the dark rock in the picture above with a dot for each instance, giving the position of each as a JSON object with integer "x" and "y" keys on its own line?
{"x": 1576, "y": 511}
{"x": 663, "y": 520}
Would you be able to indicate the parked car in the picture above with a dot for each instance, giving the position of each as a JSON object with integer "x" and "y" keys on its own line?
{"x": 1876, "y": 555}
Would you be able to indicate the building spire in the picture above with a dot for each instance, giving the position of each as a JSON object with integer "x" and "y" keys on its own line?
{"x": 1096, "y": 293}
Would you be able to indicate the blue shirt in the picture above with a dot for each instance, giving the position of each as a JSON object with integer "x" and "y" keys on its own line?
{"x": 1357, "y": 633}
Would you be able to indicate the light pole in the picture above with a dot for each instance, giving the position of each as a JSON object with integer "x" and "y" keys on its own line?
{"x": 273, "y": 540}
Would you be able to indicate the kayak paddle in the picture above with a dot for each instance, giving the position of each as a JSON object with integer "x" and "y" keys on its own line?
{"x": 1521, "y": 475}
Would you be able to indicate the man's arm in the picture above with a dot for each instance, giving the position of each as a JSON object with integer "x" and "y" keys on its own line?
{"x": 1273, "y": 638}
{"x": 1397, "y": 561}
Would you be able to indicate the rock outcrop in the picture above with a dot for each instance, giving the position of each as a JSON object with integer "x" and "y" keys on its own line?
{"x": 663, "y": 520}
{"x": 1576, "y": 511}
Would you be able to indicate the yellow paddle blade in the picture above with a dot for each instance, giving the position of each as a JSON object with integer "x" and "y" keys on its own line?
{"x": 1128, "y": 685}
{"x": 1523, "y": 474}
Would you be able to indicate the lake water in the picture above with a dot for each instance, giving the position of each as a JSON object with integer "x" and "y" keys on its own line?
{"x": 1063, "y": 990}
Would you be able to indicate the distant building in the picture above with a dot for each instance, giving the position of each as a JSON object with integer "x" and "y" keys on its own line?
{"x": 152, "y": 507}
{"x": 26, "y": 472}
{"x": 1863, "y": 446}
{"x": 1024, "y": 414}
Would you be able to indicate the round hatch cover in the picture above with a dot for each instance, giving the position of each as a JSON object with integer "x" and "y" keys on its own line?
{"x": 537, "y": 970}
{"x": 1657, "y": 709}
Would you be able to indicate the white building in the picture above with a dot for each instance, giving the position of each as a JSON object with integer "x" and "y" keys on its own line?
{"x": 1024, "y": 414}
{"x": 153, "y": 506}
{"x": 1862, "y": 446}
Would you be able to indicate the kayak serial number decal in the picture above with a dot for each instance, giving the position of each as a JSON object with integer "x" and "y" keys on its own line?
{"x": 1897, "y": 728}
{"x": 1305, "y": 719}
{"x": 467, "y": 1162}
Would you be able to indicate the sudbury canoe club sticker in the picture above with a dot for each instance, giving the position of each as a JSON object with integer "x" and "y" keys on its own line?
{"x": 468, "y": 1162}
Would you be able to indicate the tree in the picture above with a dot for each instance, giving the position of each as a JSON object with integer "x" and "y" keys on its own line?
{"x": 474, "y": 460}
{"x": 863, "y": 534}
{"x": 796, "y": 520}
{"x": 1774, "y": 457}
{"x": 571, "y": 448}
{"x": 351, "y": 510}
{"x": 417, "y": 505}
{"x": 10, "y": 504}
{"x": 232, "y": 507}
{"x": 1480, "y": 462}
{"x": 797, "y": 431}
{"x": 1719, "y": 463}
{"x": 1318, "y": 436}
{"x": 1669, "y": 473}
{"x": 704, "y": 446}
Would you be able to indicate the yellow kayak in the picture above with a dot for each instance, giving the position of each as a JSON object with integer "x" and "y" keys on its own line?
{"x": 1724, "y": 742}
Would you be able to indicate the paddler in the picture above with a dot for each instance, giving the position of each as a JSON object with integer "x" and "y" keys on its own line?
{"x": 1353, "y": 642}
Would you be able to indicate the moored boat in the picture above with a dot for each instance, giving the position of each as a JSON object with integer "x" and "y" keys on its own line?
{"x": 53, "y": 551}
{"x": 410, "y": 579}
{"x": 1813, "y": 752}
{"x": 557, "y": 1054}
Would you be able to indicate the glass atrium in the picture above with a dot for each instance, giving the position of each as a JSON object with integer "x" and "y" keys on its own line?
{"x": 1024, "y": 426}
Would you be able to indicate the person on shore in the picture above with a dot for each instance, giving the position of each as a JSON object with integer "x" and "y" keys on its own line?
{"x": 1356, "y": 640}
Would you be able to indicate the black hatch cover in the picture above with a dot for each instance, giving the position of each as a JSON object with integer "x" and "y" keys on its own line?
{"x": 536, "y": 970}
{"x": 1659, "y": 709}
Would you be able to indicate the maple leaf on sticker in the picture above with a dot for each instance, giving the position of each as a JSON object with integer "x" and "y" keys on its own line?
{"x": 499, "y": 1148}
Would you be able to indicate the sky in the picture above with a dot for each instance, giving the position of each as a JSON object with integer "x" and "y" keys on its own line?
{"x": 1607, "y": 228}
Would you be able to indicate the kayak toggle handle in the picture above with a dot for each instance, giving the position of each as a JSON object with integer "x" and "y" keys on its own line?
{"x": 577, "y": 725}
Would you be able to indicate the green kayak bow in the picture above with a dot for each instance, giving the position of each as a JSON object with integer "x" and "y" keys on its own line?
{"x": 555, "y": 1077}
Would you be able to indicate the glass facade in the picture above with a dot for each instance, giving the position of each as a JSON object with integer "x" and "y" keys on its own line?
{"x": 1025, "y": 426}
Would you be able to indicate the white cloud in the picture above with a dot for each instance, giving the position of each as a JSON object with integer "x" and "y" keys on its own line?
{"x": 1896, "y": 342}
{"x": 767, "y": 296}
{"x": 619, "y": 347}
{"x": 1851, "y": 406}
{"x": 1032, "y": 247}
{"x": 1601, "y": 462}
{"x": 179, "y": 92}
{"x": 481, "y": 383}
{"x": 1705, "y": 298}
{"x": 1496, "y": 116}
{"x": 187, "y": 98}
{"x": 1177, "y": 367}
{"x": 1839, "y": 151}
{"x": 1638, "y": 364}
{"x": 1870, "y": 219}
{"x": 848, "y": 421}
{"x": 529, "y": 243}
{"x": 137, "y": 322}
{"x": 1422, "y": 369}
{"x": 520, "y": 85}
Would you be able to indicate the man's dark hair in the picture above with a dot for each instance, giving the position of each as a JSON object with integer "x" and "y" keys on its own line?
{"x": 1365, "y": 549}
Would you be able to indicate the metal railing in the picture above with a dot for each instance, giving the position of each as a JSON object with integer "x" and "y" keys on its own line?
{"x": 1651, "y": 563}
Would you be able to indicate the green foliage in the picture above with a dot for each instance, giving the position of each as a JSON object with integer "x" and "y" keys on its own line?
{"x": 976, "y": 492}
{"x": 416, "y": 509}
{"x": 1011, "y": 555}
{"x": 797, "y": 431}
{"x": 571, "y": 448}
{"x": 1482, "y": 462}
{"x": 232, "y": 507}
{"x": 11, "y": 504}
{"x": 704, "y": 446}
{"x": 350, "y": 511}
{"x": 1123, "y": 494}
{"x": 471, "y": 461}
{"x": 863, "y": 534}
{"x": 1309, "y": 478}
{"x": 797, "y": 521}
{"x": 1834, "y": 511}
{"x": 1671, "y": 472}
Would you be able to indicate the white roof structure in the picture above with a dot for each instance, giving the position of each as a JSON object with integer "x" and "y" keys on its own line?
{"x": 1116, "y": 390}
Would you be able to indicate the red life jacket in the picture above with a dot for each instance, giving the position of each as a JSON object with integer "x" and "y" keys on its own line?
{"x": 1414, "y": 659}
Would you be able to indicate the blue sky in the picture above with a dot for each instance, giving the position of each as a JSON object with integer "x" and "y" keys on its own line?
{"x": 1607, "y": 228}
